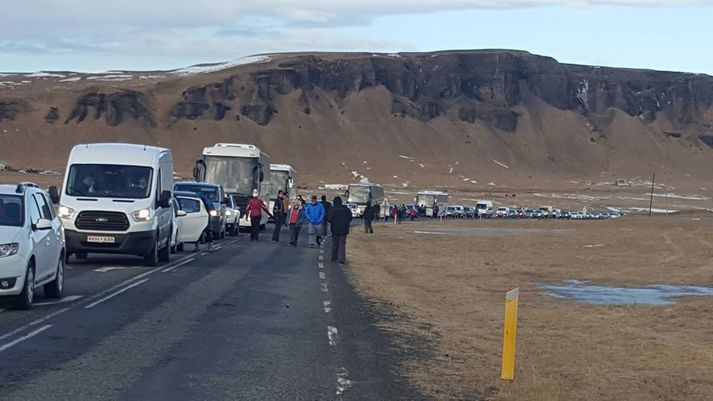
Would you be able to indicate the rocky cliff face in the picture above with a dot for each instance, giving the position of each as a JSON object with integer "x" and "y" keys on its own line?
{"x": 114, "y": 107}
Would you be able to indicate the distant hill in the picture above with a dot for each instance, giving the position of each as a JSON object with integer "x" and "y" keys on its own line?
{"x": 452, "y": 118}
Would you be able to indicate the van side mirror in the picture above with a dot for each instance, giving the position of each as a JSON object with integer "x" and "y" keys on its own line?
{"x": 165, "y": 199}
{"x": 54, "y": 194}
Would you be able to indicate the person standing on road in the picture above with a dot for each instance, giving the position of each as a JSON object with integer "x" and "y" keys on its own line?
{"x": 327, "y": 207}
{"x": 340, "y": 219}
{"x": 282, "y": 205}
{"x": 208, "y": 231}
{"x": 395, "y": 213}
{"x": 314, "y": 212}
{"x": 254, "y": 213}
{"x": 296, "y": 217}
{"x": 377, "y": 212}
{"x": 368, "y": 216}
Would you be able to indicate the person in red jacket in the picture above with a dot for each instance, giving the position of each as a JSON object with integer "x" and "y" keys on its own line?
{"x": 254, "y": 213}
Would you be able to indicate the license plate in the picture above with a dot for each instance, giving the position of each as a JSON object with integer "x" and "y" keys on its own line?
{"x": 100, "y": 240}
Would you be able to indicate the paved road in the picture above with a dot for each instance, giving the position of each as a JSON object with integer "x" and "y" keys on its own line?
{"x": 246, "y": 322}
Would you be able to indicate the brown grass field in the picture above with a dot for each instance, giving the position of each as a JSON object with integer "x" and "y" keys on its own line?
{"x": 449, "y": 290}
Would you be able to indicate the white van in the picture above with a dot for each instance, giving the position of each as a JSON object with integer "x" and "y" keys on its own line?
{"x": 484, "y": 208}
{"x": 116, "y": 198}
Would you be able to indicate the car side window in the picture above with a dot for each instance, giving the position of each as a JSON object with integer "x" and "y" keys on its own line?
{"x": 48, "y": 202}
{"x": 46, "y": 213}
{"x": 35, "y": 214}
{"x": 189, "y": 205}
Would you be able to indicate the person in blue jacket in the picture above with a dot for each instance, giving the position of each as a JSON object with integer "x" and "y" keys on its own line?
{"x": 314, "y": 213}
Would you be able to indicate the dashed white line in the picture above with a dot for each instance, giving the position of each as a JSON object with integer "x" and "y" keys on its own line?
{"x": 343, "y": 382}
{"x": 321, "y": 257}
{"x": 203, "y": 253}
{"x": 327, "y": 306}
{"x": 320, "y": 265}
{"x": 321, "y": 251}
{"x": 324, "y": 287}
{"x": 60, "y": 301}
{"x": 25, "y": 337}
{"x": 110, "y": 296}
{"x": 322, "y": 276}
{"x": 33, "y": 323}
{"x": 332, "y": 335}
{"x": 168, "y": 269}
{"x": 218, "y": 247}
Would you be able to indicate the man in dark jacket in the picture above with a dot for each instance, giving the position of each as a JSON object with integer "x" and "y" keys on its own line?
{"x": 368, "y": 216}
{"x": 339, "y": 218}
{"x": 327, "y": 207}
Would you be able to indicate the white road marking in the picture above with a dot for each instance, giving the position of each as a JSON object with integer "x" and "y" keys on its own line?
{"x": 321, "y": 251}
{"x": 110, "y": 296}
{"x": 33, "y": 323}
{"x": 321, "y": 257}
{"x": 168, "y": 269}
{"x": 327, "y": 306}
{"x": 60, "y": 301}
{"x": 430, "y": 232}
{"x": 23, "y": 338}
{"x": 332, "y": 335}
{"x": 321, "y": 276}
{"x": 203, "y": 253}
{"x": 343, "y": 382}
{"x": 324, "y": 287}
{"x": 218, "y": 247}
{"x": 320, "y": 265}
{"x": 110, "y": 268}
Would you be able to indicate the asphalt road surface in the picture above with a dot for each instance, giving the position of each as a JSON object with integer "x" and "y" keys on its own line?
{"x": 248, "y": 321}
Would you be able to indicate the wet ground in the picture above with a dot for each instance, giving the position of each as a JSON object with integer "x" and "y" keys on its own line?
{"x": 658, "y": 294}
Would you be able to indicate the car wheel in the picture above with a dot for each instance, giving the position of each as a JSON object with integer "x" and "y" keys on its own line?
{"x": 164, "y": 254}
{"x": 24, "y": 300}
{"x": 151, "y": 258}
{"x": 56, "y": 287}
{"x": 179, "y": 247}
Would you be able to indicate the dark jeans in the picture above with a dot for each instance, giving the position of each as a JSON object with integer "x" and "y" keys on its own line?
{"x": 279, "y": 221}
{"x": 208, "y": 234}
{"x": 339, "y": 248}
{"x": 255, "y": 227}
{"x": 294, "y": 233}
{"x": 367, "y": 227}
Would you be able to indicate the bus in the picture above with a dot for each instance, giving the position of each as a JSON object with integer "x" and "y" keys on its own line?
{"x": 282, "y": 178}
{"x": 239, "y": 169}
{"x": 359, "y": 194}
{"x": 431, "y": 199}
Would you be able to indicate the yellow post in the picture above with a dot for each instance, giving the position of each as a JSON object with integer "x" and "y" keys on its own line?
{"x": 510, "y": 334}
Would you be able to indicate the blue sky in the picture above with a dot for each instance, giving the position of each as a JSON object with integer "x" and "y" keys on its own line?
{"x": 84, "y": 35}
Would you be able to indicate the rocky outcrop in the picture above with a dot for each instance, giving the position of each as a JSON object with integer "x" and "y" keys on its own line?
{"x": 9, "y": 109}
{"x": 472, "y": 86}
{"x": 52, "y": 115}
{"x": 114, "y": 107}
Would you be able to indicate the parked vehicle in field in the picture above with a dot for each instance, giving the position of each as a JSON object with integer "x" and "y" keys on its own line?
{"x": 359, "y": 194}
{"x": 484, "y": 208}
{"x": 468, "y": 212}
{"x": 214, "y": 193}
{"x": 431, "y": 199}
{"x": 32, "y": 244}
{"x": 354, "y": 209}
{"x": 538, "y": 214}
{"x": 513, "y": 214}
{"x": 502, "y": 211}
{"x": 546, "y": 210}
{"x": 565, "y": 214}
{"x": 116, "y": 198}
{"x": 579, "y": 215}
{"x": 192, "y": 216}
{"x": 455, "y": 211}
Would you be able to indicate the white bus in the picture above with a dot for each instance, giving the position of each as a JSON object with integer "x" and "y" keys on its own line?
{"x": 116, "y": 198}
{"x": 431, "y": 199}
{"x": 239, "y": 169}
{"x": 281, "y": 179}
{"x": 359, "y": 194}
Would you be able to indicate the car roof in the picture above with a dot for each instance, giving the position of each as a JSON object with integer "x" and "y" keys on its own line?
{"x": 9, "y": 189}
{"x": 186, "y": 194}
{"x": 196, "y": 183}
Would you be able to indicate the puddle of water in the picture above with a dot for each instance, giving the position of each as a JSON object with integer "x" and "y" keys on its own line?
{"x": 491, "y": 231}
{"x": 579, "y": 291}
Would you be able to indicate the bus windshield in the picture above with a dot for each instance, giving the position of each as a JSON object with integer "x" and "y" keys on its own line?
{"x": 109, "y": 181}
{"x": 236, "y": 174}
{"x": 428, "y": 200}
{"x": 359, "y": 194}
{"x": 279, "y": 180}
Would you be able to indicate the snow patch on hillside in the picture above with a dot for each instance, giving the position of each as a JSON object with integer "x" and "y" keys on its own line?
{"x": 206, "y": 68}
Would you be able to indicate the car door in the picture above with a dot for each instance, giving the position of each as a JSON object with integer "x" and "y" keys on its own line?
{"x": 55, "y": 232}
{"x": 41, "y": 239}
{"x": 195, "y": 220}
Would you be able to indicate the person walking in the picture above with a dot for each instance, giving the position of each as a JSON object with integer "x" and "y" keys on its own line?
{"x": 377, "y": 212}
{"x": 208, "y": 231}
{"x": 314, "y": 212}
{"x": 339, "y": 219}
{"x": 368, "y": 216}
{"x": 395, "y": 213}
{"x": 254, "y": 213}
{"x": 296, "y": 218}
{"x": 327, "y": 207}
{"x": 279, "y": 210}
{"x": 412, "y": 214}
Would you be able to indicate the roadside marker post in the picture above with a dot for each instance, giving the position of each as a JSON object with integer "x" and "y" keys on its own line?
{"x": 510, "y": 334}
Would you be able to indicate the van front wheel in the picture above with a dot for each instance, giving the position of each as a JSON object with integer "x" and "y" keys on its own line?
{"x": 151, "y": 258}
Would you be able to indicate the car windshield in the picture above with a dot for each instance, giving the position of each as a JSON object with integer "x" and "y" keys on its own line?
{"x": 11, "y": 211}
{"x": 359, "y": 194}
{"x": 235, "y": 174}
{"x": 109, "y": 181}
{"x": 208, "y": 191}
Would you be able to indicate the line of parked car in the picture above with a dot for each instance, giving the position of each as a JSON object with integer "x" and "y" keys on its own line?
{"x": 544, "y": 212}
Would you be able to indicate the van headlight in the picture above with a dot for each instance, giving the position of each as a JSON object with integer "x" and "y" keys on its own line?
{"x": 213, "y": 213}
{"x": 9, "y": 249}
{"x": 65, "y": 212}
{"x": 142, "y": 215}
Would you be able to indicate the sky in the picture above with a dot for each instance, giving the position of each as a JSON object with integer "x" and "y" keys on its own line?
{"x": 95, "y": 35}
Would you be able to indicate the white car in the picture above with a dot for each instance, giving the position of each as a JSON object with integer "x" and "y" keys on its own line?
{"x": 354, "y": 208}
{"x": 502, "y": 212}
{"x": 232, "y": 215}
{"x": 32, "y": 247}
{"x": 192, "y": 218}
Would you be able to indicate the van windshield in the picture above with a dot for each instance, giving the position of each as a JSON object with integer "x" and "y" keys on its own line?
{"x": 109, "y": 181}
{"x": 11, "y": 210}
